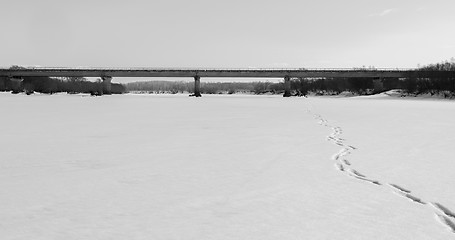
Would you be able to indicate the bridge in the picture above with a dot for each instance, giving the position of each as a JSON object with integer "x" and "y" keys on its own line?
{"x": 106, "y": 74}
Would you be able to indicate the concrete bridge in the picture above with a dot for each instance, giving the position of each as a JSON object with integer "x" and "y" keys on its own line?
{"x": 106, "y": 74}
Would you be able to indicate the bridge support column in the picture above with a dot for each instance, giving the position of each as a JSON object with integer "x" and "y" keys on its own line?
{"x": 197, "y": 87}
{"x": 106, "y": 84}
{"x": 287, "y": 87}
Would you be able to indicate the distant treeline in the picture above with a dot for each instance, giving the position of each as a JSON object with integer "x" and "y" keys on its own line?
{"x": 299, "y": 86}
{"x": 206, "y": 87}
{"x": 49, "y": 85}
{"x": 440, "y": 81}
{"x": 438, "y": 84}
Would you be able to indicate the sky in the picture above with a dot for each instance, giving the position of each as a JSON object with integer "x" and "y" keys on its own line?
{"x": 226, "y": 34}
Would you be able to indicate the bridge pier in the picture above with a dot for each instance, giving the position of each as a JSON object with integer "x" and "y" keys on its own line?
{"x": 197, "y": 87}
{"x": 106, "y": 84}
{"x": 287, "y": 86}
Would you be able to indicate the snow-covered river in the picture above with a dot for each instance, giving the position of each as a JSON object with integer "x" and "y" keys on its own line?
{"x": 226, "y": 167}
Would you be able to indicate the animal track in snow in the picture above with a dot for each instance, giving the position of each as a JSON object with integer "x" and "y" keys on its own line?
{"x": 443, "y": 209}
{"x": 375, "y": 182}
{"x": 446, "y": 221}
{"x": 443, "y": 214}
{"x": 356, "y": 173}
{"x": 399, "y": 188}
{"x": 406, "y": 193}
{"x": 339, "y": 166}
{"x": 412, "y": 198}
{"x": 341, "y": 153}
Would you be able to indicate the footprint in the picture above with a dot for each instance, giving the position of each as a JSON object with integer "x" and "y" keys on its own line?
{"x": 339, "y": 166}
{"x": 446, "y": 221}
{"x": 330, "y": 138}
{"x": 375, "y": 182}
{"x": 411, "y": 197}
{"x": 443, "y": 209}
{"x": 406, "y": 193}
{"x": 356, "y": 173}
{"x": 341, "y": 153}
{"x": 414, "y": 198}
{"x": 371, "y": 181}
{"x": 399, "y": 188}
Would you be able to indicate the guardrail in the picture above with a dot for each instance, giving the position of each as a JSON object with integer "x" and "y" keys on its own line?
{"x": 205, "y": 69}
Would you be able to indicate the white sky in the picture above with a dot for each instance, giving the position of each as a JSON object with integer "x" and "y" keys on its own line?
{"x": 211, "y": 33}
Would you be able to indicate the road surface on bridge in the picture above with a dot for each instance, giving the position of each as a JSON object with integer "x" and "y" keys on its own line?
{"x": 203, "y": 72}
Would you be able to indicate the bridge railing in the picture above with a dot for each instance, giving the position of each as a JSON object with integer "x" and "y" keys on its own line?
{"x": 211, "y": 69}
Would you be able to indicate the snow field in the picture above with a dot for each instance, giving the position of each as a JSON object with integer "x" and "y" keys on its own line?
{"x": 224, "y": 167}
{"x": 405, "y": 127}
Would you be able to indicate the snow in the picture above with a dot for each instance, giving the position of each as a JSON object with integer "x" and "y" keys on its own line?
{"x": 225, "y": 167}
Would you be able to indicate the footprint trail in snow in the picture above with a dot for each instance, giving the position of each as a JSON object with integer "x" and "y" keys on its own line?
{"x": 442, "y": 214}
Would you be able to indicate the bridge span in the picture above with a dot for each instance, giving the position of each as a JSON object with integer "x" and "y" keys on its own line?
{"x": 106, "y": 74}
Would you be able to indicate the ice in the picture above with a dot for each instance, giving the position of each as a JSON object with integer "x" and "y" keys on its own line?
{"x": 224, "y": 167}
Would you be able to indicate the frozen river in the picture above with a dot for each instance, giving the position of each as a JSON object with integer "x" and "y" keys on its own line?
{"x": 226, "y": 167}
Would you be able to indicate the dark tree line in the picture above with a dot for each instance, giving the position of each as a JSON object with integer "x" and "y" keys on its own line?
{"x": 49, "y": 85}
{"x": 160, "y": 87}
{"x": 333, "y": 86}
{"x": 206, "y": 87}
{"x": 432, "y": 79}
{"x": 441, "y": 79}
{"x": 299, "y": 86}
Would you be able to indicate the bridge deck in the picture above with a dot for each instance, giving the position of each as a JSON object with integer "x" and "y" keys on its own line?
{"x": 232, "y": 73}
{"x": 182, "y": 72}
